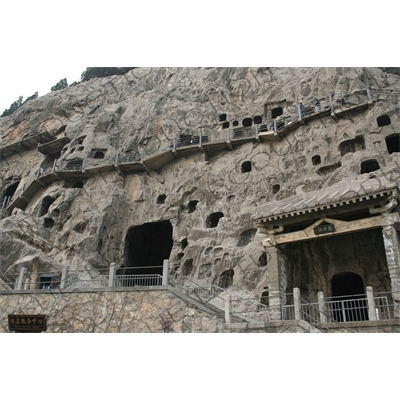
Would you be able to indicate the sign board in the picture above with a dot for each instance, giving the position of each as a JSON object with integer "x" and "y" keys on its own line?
{"x": 26, "y": 323}
{"x": 327, "y": 228}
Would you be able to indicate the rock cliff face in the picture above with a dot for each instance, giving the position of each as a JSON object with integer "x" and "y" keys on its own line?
{"x": 129, "y": 170}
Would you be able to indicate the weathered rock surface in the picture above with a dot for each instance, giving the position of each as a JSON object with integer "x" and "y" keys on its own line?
{"x": 83, "y": 220}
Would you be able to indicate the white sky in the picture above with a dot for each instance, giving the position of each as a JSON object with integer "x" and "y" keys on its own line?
{"x": 25, "y": 81}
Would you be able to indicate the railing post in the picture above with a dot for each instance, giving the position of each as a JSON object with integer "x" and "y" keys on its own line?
{"x": 64, "y": 277}
{"x": 21, "y": 278}
{"x": 200, "y": 139}
{"x": 117, "y": 159}
{"x": 275, "y": 130}
{"x": 111, "y": 275}
{"x": 297, "y": 304}
{"x": 229, "y": 134}
{"x": 321, "y": 307}
{"x": 371, "y": 304}
{"x": 174, "y": 144}
{"x": 331, "y": 103}
{"x": 299, "y": 111}
{"x": 256, "y": 131}
{"x": 27, "y": 283}
{"x": 165, "y": 274}
{"x": 54, "y": 165}
{"x": 228, "y": 309}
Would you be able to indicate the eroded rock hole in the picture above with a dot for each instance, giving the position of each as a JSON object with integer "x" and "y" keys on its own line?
{"x": 235, "y": 123}
{"x": 225, "y": 125}
{"x": 329, "y": 168}
{"x": 147, "y": 245}
{"x": 8, "y": 194}
{"x": 213, "y": 219}
{"x": 222, "y": 117}
{"x": 276, "y": 188}
{"x": 264, "y": 299}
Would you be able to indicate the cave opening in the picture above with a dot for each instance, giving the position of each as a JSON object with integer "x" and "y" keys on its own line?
{"x": 351, "y": 304}
{"x": 146, "y": 248}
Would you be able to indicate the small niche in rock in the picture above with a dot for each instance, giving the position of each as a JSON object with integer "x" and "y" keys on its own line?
{"x": 246, "y": 167}
{"x": 316, "y": 160}
{"x": 235, "y": 123}
{"x": 247, "y": 122}
{"x": 48, "y": 223}
{"x": 246, "y": 237}
{"x": 225, "y": 125}
{"x": 184, "y": 243}
{"x": 329, "y": 168}
{"x": 222, "y": 117}
{"x": 276, "y": 188}
{"x": 226, "y": 279}
{"x": 213, "y": 219}
{"x": 276, "y": 112}
{"x": 208, "y": 250}
{"x": 179, "y": 256}
{"x": 264, "y": 299}
{"x": 257, "y": 119}
{"x": 262, "y": 261}
{"x": 369, "y": 166}
{"x": 187, "y": 267}
{"x": 192, "y": 206}
{"x": 352, "y": 145}
{"x": 161, "y": 198}
{"x": 230, "y": 198}
{"x": 383, "y": 120}
{"x": 55, "y": 212}
{"x": 393, "y": 143}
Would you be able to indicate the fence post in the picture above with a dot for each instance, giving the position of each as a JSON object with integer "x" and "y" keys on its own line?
{"x": 371, "y": 303}
{"x": 54, "y": 166}
{"x": 229, "y": 134}
{"x": 331, "y": 103}
{"x": 369, "y": 95}
{"x": 321, "y": 307}
{"x": 117, "y": 159}
{"x": 228, "y": 309}
{"x": 275, "y": 126}
{"x": 297, "y": 304}
{"x": 200, "y": 139}
{"x": 165, "y": 273}
{"x": 111, "y": 275}
{"x": 26, "y": 284}
{"x": 174, "y": 144}
{"x": 64, "y": 277}
{"x": 21, "y": 278}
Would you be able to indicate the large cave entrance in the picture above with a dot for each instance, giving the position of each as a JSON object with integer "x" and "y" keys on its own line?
{"x": 146, "y": 247}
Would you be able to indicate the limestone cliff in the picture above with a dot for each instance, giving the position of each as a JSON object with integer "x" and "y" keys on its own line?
{"x": 113, "y": 183}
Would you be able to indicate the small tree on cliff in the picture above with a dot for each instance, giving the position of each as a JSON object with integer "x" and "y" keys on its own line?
{"x": 60, "y": 85}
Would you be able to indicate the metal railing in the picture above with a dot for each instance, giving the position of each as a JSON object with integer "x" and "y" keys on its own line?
{"x": 347, "y": 308}
{"x": 138, "y": 280}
